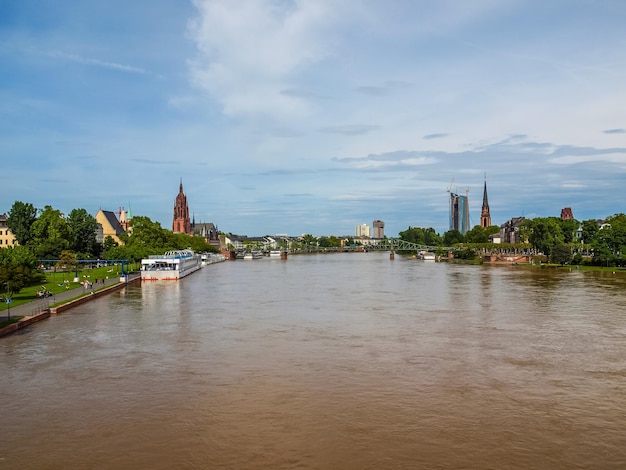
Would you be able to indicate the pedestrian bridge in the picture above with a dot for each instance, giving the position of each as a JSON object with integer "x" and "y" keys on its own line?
{"x": 388, "y": 244}
{"x": 397, "y": 244}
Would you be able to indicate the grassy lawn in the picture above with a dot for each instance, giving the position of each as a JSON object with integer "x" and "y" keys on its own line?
{"x": 57, "y": 282}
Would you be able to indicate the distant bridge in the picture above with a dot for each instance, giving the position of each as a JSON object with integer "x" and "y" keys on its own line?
{"x": 387, "y": 244}
{"x": 397, "y": 244}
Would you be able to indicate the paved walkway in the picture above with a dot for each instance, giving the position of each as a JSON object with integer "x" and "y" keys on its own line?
{"x": 38, "y": 305}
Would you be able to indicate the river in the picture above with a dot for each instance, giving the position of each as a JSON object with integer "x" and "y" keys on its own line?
{"x": 338, "y": 361}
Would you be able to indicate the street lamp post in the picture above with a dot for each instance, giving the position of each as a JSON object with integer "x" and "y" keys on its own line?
{"x": 8, "y": 300}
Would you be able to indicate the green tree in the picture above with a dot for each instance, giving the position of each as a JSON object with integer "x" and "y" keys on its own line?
{"x": 569, "y": 227}
{"x": 183, "y": 241}
{"x": 109, "y": 242}
{"x": 82, "y": 231}
{"x": 467, "y": 254}
{"x": 544, "y": 233}
{"x": 51, "y": 234}
{"x": 561, "y": 253}
{"x": 67, "y": 261}
{"x": 309, "y": 240}
{"x": 149, "y": 238}
{"x": 413, "y": 235}
{"x": 477, "y": 234}
{"x": 149, "y": 234}
{"x": 610, "y": 242}
{"x": 492, "y": 229}
{"x": 324, "y": 242}
{"x": 48, "y": 248}
{"x": 590, "y": 231}
{"x": 452, "y": 237}
{"x": 421, "y": 236}
{"x": 20, "y": 220}
{"x": 431, "y": 237}
{"x": 18, "y": 269}
{"x": 334, "y": 241}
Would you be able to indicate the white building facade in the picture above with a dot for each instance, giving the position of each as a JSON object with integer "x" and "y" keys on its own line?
{"x": 363, "y": 230}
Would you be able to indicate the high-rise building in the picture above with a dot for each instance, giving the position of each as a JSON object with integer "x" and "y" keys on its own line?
{"x": 379, "y": 229}
{"x": 363, "y": 230}
{"x": 182, "y": 223}
{"x": 459, "y": 213}
{"x": 485, "y": 216}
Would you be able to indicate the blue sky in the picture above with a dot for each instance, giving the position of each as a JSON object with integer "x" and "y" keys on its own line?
{"x": 314, "y": 116}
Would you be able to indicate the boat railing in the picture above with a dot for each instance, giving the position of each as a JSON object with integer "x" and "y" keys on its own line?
{"x": 174, "y": 254}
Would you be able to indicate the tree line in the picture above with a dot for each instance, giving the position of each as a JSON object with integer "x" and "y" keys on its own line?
{"x": 600, "y": 243}
{"x": 48, "y": 234}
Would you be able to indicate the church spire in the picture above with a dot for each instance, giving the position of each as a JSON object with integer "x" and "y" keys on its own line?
{"x": 181, "y": 223}
{"x": 485, "y": 200}
{"x": 485, "y": 216}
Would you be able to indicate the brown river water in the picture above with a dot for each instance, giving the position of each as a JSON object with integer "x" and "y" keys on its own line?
{"x": 342, "y": 361}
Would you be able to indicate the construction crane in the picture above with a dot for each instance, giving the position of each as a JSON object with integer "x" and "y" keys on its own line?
{"x": 451, "y": 183}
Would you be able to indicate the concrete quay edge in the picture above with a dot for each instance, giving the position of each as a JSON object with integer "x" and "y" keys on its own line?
{"x": 46, "y": 313}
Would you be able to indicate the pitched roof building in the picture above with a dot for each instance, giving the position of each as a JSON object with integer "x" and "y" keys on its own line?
{"x": 111, "y": 227}
{"x": 208, "y": 231}
{"x": 509, "y": 231}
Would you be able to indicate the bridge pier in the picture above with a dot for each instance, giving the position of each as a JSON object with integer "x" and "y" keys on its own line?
{"x": 391, "y": 255}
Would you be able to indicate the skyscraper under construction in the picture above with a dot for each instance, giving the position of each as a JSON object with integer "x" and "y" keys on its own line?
{"x": 459, "y": 212}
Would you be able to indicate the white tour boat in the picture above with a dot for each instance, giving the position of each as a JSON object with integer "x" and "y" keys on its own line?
{"x": 211, "y": 258}
{"x": 171, "y": 266}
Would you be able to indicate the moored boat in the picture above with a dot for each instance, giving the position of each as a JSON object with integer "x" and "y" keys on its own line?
{"x": 171, "y": 266}
{"x": 426, "y": 256}
{"x": 252, "y": 255}
{"x": 211, "y": 258}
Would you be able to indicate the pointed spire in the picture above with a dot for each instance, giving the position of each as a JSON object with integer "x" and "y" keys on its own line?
{"x": 485, "y": 216}
{"x": 180, "y": 189}
{"x": 485, "y": 200}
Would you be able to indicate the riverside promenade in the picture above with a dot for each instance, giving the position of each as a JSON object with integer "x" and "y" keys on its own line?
{"x": 41, "y": 308}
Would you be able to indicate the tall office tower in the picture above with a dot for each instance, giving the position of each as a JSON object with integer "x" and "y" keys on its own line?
{"x": 379, "y": 229}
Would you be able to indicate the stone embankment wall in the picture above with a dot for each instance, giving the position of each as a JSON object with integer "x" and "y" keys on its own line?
{"x": 500, "y": 258}
{"x": 88, "y": 297}
{"x": 27, "y": 321}
{"x": 24, "y": 322}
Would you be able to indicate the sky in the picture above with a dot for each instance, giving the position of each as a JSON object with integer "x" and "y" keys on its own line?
{"x": 314, "y": 116}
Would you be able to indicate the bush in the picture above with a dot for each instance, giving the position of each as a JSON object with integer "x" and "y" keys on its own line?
{"x": 561, "y": 253}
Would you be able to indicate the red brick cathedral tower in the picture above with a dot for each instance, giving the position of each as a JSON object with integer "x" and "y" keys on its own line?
{"x": 181, "y": 224}
{"x": 485, "y": 216}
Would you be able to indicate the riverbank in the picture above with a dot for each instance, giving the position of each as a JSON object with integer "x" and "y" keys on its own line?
{"x": 29, "y": 314}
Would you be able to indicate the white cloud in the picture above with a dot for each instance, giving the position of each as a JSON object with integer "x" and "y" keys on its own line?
{"x": 249, "y": 51}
